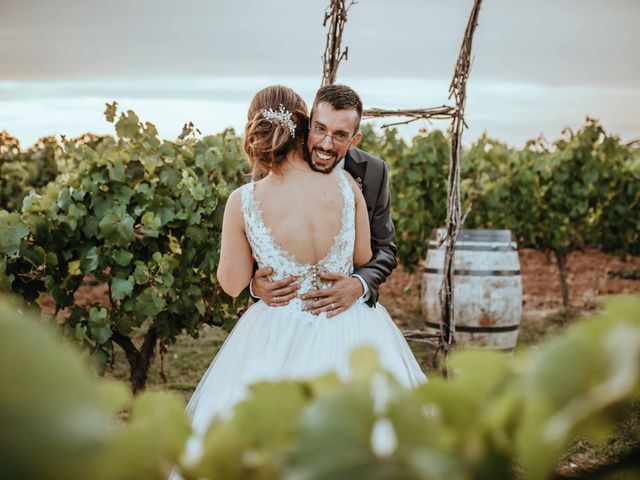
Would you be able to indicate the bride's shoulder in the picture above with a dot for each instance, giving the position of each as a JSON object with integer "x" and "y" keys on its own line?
{"x": 241, "y": 190}
{"x": 236, "y": 198}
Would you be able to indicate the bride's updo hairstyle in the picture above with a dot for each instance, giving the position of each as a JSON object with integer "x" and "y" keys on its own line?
{"x": 277, "y": 123}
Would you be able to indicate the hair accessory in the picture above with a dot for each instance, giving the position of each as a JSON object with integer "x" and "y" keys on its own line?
{"x": 282, "y": 115}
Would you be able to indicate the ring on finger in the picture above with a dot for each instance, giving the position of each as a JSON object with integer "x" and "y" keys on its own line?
{"x": 275, "y": 299}
{"x": 333, "y": 307}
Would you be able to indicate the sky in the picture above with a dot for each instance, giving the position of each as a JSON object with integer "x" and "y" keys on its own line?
{"x": 537, "y": 66}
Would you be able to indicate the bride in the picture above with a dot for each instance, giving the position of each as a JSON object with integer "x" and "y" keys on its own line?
{"x": 301, "y": 223}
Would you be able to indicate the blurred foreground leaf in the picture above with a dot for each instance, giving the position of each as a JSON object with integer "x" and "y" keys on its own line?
{"x": 55, "y": 416}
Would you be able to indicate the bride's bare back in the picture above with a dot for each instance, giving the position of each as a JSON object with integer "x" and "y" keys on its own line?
{"x": 303, "y": 209}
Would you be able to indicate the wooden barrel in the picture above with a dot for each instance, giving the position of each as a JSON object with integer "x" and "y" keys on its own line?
{"x": 487, "y": 288}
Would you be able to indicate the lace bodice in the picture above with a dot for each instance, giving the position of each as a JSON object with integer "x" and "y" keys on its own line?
{"x": 268, "y": 254}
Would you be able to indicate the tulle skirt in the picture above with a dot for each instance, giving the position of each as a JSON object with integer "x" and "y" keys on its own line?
{"x": 276, "y": 343}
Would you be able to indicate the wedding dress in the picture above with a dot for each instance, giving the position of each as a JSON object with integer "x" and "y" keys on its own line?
{"x": 275, "y": 343}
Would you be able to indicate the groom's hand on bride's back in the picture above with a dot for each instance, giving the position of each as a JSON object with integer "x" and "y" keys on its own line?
{"x": 343, "y": 293}
{"x": 273, "y": 293}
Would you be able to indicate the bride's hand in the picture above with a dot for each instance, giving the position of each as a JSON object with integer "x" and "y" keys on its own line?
{"x": 344, "y": 292}
{"x": 274, "y": 294}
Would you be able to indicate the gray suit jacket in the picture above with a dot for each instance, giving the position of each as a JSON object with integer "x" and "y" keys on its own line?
{"x": 372, "y": 173}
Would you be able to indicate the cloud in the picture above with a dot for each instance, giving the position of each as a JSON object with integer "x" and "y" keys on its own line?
{"x": 587, "y": 42}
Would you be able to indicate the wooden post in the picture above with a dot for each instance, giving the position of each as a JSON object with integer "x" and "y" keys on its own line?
{"x": 336, "y": 16}
{"x": 455, "y": 219}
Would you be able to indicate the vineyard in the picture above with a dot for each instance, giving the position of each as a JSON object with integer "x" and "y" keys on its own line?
{"x": 138, "y": 219}
{"x": 583, "y": 190}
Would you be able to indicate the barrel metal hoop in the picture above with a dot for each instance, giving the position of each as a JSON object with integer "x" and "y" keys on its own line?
{"x": 477, "y": 273}
{"x": 479, "y": 235}
{"x": 471, "y": 329}
{"x": 477, "y": 248}
{"x": 490, "y": 349}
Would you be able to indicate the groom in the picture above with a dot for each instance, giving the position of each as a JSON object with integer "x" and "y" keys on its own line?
{"x": 334, "y": 132}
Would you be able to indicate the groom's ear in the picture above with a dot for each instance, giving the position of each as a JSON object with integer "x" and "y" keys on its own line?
{"x": 356, "y": 139}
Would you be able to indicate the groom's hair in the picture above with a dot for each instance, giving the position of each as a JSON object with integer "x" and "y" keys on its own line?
{"x": 340, "y": 97}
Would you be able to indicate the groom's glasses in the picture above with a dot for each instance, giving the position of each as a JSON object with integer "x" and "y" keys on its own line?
{"x": 320, "y": 132}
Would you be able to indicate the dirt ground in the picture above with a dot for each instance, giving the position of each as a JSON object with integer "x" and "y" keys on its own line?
{"x": 589, "y": 279}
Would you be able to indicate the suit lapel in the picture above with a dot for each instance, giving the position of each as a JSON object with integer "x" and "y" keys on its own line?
{"x": 356, "y": 165}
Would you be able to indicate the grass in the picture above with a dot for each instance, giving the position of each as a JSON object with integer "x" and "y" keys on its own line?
{"x": 533, "y": 332}
{"x": 583, "y": 455}
{"x": 184, "y": 362}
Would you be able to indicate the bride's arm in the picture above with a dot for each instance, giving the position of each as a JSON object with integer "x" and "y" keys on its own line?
{"x": 236, "y": 261}
{"x": 362, "y": 252}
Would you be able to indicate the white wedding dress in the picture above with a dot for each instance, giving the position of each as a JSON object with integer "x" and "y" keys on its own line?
{"x": 275, "y": 343}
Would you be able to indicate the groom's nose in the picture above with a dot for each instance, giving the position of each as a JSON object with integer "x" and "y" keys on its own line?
{"x": 327, "y": 142}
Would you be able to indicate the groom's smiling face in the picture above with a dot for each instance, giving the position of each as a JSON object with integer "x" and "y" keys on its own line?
{"x": 331, "y": 134}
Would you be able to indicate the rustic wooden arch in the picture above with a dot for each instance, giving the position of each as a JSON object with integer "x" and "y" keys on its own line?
{"x": 334, "y": 20}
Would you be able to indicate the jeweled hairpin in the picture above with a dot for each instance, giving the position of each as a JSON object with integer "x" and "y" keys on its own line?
{"x": 282, "y": 115}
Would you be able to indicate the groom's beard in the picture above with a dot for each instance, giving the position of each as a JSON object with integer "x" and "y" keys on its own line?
{"x": 314, "y": 161}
